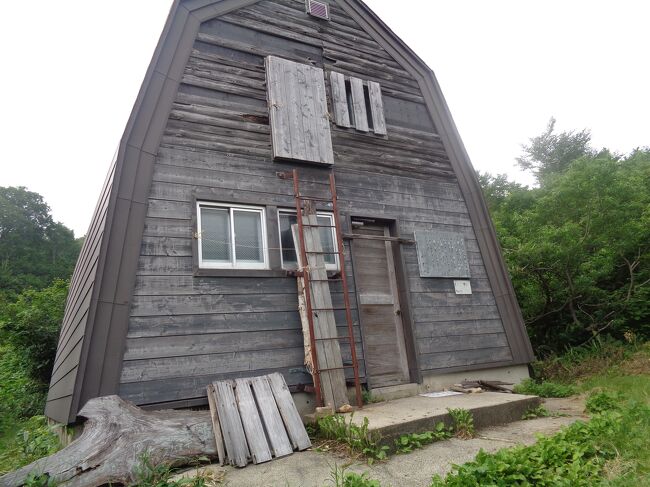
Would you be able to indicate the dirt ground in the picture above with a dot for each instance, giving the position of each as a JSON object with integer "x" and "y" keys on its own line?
{"x": 313, "y": 468}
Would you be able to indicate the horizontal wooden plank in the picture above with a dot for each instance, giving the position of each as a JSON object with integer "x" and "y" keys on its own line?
{"x": 423, "y": 300}
{"x": 181, "y": 346}
{"x": 224, "y": 363}
{"x": 454, "y": 313}
{"x": 425, "y": 330}
{"x": 194, "y": 386}
{"x": 443, "y": 360}
{"x": 346, "y": 177}
{"x": 461, "y": 342}
{"x": 153, "y": 326}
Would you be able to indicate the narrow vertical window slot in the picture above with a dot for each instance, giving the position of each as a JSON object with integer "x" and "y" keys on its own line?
{"x": 348, "y": 96}
{"x": 366, "y": 97}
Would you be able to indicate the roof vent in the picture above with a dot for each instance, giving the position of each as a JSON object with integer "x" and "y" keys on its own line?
{"x": 318, "y": 9}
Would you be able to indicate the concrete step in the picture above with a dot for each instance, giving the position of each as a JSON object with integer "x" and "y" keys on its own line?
{"x": 417, "y": 414}
{"x": 391, "y": 393}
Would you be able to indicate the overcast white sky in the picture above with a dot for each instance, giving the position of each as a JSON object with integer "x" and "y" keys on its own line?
{"x": 71, "y": 71}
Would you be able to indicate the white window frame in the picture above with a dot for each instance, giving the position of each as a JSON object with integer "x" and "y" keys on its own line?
{"x": 329, "y": 267}
{"x": 233, "y": 264}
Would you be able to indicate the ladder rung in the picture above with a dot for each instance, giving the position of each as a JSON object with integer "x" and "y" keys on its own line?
{"x": 325, "y": 280}
{"x": 302, "y": 205}
{"x": 314, "y": 198}
{"x": 336, "y": 368}
{"x": 332, "y": 338}
{"x": 320, "y": 252}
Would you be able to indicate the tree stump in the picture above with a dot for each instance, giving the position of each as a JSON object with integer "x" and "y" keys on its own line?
{"x": 115, "y": 436}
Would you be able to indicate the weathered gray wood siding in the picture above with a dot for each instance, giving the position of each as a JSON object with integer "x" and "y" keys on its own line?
{"x": 73, "y": 326}
{"x": 187, "y": 331}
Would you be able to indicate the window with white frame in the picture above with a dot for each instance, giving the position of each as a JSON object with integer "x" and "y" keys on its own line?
{"x": 231, "y": 236}
{"x": 287, "y": 218}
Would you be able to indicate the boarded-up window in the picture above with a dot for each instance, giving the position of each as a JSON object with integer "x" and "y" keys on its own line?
{"x": 441, "y": 254}
{"x": 300, "y": 127}
{"x": 357, "y": 104}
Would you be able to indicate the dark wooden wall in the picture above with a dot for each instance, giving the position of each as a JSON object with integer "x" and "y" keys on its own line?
{"x": 185, "y": 331}
{"x": 73, "y": 327}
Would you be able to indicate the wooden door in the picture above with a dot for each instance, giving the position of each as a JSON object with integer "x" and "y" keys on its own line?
{"x": 379, "y": 308}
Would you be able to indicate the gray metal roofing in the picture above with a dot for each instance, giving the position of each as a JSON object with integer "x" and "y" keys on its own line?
{"x": 102, "y": 317}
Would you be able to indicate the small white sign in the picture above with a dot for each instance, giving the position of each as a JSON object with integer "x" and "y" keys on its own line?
{"x": 463, "y": 287}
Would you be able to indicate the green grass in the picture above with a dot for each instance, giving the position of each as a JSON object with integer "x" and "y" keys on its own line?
{"x": 612, "y": 449}
{"x": 31, "y": 439}
{"x": 544, "y": 389}
{"x": 635, "y": 387}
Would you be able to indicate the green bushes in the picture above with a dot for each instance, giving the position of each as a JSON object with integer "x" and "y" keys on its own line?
{"x": 574, "y": 457}
{"x": 31, "y": 326}
{"x": 582, "y": 454}
{"x": 20, "y": 395}
{"x": 601, "y": 401}
{"x": 544, "y": 389}
{"x": 35, "y": 440}
{"x": 29, "y": 329}
{"x": 577, "y": 247}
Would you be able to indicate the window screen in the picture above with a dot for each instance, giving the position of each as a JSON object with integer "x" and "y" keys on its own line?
{"x": 231, "y": 237}
{"x": 327, "y": 236}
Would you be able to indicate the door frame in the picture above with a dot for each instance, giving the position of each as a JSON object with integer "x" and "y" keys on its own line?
{"x": 412, "y": 362}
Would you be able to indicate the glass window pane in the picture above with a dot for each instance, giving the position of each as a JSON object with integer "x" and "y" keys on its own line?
{"x": 215, "y": 234}
{"x": 289, "y": 259}
{"x": 248, "y": 236}
{"x": 326, "y": 239}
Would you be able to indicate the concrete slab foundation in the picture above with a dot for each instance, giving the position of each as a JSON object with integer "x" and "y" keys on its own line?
{"x": 417, "y": 414}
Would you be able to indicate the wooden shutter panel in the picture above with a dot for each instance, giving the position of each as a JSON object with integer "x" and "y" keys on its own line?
{"x": 339, "y": 100}
{"x": 377, "y": 108}
{"x": 299, "y": 120}
{"x": 359, "y": 104}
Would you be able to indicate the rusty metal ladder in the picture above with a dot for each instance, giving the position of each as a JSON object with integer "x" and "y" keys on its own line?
{"x": 299, "y": 201}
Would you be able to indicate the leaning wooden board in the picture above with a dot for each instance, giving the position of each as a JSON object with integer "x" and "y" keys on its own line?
{"x": 255, "y": 419}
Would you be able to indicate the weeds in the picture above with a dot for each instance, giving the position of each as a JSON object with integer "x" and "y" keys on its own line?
{"x": 599, "y": 355}
{"x": 34, "y": 440}
{"x": 368, "y": 398}
{"x": 536, "y": 412}
{"x": 463, "y": 423}
{"x": 42, "y": 480}
{"x": 408, "y": 443}
{"x": 544, "y": 389}
{"x": 151, "y": 474}
{"x": 601, "y": 401}
{"x": 358, "y": 438}
{"x": 575, "y": 456}
{"x": 340, "y": 477}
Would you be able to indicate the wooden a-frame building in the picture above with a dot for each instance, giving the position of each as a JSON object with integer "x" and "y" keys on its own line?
{"x": 187, "y": 272}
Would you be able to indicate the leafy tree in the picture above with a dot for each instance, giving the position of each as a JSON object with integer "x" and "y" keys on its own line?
{"x": 30, "y": 325}
{"x": 578, "y": 249}
{"x": 34, "y": 249}
{"x": 552, "y": 153}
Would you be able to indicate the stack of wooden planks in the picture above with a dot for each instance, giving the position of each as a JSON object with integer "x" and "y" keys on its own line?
{"x": 255, "y": 419}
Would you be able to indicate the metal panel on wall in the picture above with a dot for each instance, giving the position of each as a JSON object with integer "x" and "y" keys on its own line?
{"x": 441, "y": 254}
